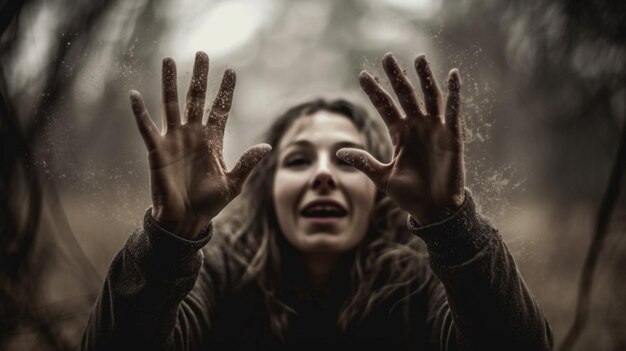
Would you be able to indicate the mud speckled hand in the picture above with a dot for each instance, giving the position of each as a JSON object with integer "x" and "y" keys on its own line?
{"x": 426, "y": 175}
{"x": 188, "y": 178}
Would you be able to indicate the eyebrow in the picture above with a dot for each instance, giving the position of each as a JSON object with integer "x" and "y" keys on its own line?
{"x": 339, "y": 145}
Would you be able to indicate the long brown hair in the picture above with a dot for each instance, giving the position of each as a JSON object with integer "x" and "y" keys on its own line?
{"x": 383, "y": 263}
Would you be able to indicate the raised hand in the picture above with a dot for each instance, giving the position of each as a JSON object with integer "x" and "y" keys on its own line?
{"x": 426, "y": 176}
{"x": 188, "y": 178}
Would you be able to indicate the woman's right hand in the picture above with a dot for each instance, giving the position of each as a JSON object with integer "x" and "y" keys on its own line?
{"x": 188, "y": 178}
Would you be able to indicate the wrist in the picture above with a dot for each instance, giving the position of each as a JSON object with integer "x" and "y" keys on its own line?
{"x": 187, "y": 227}
{"x": 433, "y": 214}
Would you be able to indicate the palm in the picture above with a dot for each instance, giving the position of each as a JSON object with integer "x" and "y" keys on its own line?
{"x": 423, "y": 169}
{"x": 188, "y": 177}
{"x": 426, "y": 173}
{"x": 187, "y": 173}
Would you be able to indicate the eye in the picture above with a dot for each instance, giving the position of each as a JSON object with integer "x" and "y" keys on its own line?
{"x": 296, "y": 161}
{"x": 343, "y": 163}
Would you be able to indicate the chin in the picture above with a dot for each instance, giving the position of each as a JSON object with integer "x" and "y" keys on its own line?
{"x": 322, "y": 243}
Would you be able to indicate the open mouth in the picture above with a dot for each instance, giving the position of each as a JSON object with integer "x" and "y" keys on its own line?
{"x": 323, "y": 209}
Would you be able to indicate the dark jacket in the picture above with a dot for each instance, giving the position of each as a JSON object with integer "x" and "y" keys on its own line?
{"x": 164, "y": 292}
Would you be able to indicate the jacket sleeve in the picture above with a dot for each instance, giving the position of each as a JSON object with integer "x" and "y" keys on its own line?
{"x": 481, "y": 301}
{"x": 158, "y": 294}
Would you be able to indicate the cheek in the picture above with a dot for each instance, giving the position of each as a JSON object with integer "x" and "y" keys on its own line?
{"x": 361, "y": 190}
{"x": 287, "y": 189}
{"x": 362, "y": 193}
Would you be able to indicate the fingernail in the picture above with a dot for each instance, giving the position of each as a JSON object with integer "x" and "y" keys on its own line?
{"x": 389, "y": 61}
{"x": 365, "y": 78}
{"x": 420, "y": 60}
{"x": 230, "y": 76}
{"x": 365, "y": 74}
{"x": 201, "y": 55}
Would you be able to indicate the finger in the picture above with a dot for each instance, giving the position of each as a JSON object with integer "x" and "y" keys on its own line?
{"x": 364, "y": 162}
{"x": 170, "y": 112}
{"x": 197, "y": 89}
{"x": 432, "y": 95}
{"x": 246, "y": 163}
{"x": 220, "y": 108}
{"x": 382, "y": 101}
{"x": 401, "y": 86}
{"x": 147, "y": 128}
{"x": 453, "y": 105}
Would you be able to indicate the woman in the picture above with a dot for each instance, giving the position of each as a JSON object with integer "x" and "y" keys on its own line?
{"x": 315, "y": 255}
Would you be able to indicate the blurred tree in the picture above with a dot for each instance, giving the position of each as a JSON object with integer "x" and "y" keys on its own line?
{"x": 566, "y": 59}
{"x": 32, "y": 106}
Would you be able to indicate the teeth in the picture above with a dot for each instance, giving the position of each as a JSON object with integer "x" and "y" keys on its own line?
{"x": 324, "y": 208}
{"x": 324, "y": 211}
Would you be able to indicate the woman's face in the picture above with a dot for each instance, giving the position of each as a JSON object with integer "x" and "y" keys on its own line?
{"x": 323, "y": 205}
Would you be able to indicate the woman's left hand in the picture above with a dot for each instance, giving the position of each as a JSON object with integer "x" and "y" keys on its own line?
{"x": 426, "y": 176}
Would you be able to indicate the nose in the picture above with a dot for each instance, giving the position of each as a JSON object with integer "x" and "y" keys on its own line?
{"x": 323, "y": 179}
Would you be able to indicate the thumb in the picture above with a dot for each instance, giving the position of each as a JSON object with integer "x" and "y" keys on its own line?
{"x": 246, "y": 163}
{"x": 364, "y": 162}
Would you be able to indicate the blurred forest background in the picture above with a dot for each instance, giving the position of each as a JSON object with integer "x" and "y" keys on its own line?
{"x": 544, "y": 97}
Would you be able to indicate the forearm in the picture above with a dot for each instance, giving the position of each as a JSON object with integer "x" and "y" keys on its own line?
{"x": 488, "y": 302}
{"x": 144, "y": 287}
